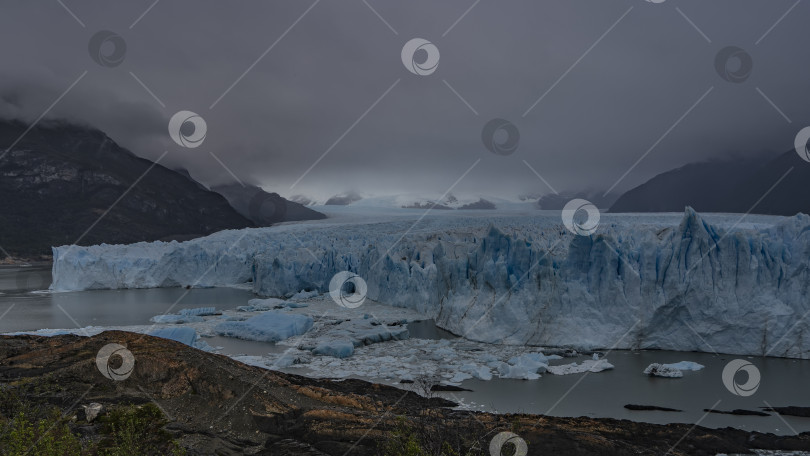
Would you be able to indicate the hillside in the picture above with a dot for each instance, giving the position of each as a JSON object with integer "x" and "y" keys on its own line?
{"x": 726, "y": 186}
{"x": 263, "y": 208}
{"x": 211, "y": 404}
{"x": 58, "y": 183}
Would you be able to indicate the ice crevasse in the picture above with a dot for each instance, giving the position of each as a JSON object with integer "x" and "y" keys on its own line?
{"x": 686, "y": 285}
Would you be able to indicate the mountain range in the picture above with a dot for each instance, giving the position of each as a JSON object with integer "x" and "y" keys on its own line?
{"x": 63, "y": 183}
{"x": 264, "y": 208}
{"x": 763, "y": 185}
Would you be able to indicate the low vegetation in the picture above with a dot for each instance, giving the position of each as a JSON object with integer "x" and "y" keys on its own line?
{"x": 32, "y": 427}
{"x": 421, "y": 437}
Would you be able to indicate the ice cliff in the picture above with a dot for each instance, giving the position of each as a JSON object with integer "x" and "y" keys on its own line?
{"x": 640, "y": 282}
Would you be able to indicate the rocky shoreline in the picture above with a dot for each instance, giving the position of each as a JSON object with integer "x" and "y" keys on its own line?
{"x": 215, "y": 405}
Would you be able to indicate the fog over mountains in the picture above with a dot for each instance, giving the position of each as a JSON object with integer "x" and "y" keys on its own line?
{"x": 300, "y": 98}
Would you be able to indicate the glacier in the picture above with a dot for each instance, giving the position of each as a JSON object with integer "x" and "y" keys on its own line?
{"x": 685, "y": 282}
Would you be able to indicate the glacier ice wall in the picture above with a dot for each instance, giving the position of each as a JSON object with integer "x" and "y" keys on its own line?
{"x": 691, "y": 285}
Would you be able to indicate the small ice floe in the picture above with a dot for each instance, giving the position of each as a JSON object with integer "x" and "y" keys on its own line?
{"x": 271, "y": 326}
{"x": 338, "y": 348}
{"x": 673, "y": 370}
{"x": 686, "y": 366}
{"x": 589, "y": 365}
{"x": 182, "y": 334}
{"x": 527, "y": 366}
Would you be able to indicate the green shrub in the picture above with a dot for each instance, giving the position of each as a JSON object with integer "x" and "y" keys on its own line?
{"x": 422, "y": 439}
{"x": 26, "y": 435}
{"x": 137, "y": 430}
{"x": 33, "y": 429}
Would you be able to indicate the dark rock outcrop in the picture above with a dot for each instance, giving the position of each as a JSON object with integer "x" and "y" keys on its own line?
{"x": 648, "y": 408}
{"x": 64, "y": 184}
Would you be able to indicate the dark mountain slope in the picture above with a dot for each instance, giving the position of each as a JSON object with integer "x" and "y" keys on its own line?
{"x": 789, "y": 197}
{"x": 726, "y": 186}
{"x": 58, "y": 183}
{"x": 264, "y": 208}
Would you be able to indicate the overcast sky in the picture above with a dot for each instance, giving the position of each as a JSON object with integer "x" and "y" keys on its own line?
{"x": 616, "y": 78}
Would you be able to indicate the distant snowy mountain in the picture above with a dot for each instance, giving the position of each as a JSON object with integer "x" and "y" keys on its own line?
{"x": 726, "y": 186}
{"x": 481, "y": 204}
{"x": 302, "y": 200}
{"x": 437, "y": 202}
{"x": 343, "y": 199}
{"x": 427, "y": 205}
{"x": 449, "y": 202}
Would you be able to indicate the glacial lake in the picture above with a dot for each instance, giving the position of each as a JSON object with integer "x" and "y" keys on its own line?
{"x": 785, "y": 382}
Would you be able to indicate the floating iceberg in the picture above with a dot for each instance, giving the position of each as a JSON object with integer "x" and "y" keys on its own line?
{"x": 685, "y": 366}
{"x": 338, "y": 348}
{"x": 183, "y": 335}
{"x": 589, "y": 365}
{"x": 640, "y": 282}
{"x": 185, "y": 316}
{"x": 266, "y": 327}
{"x": 527, "y": 366}
{"x": 673, "y": 370}
{"x": 662, "y": 370}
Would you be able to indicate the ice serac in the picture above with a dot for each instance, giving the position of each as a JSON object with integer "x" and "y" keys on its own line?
{"x": 692, "y": 286}
{"x": 682, "y": 285}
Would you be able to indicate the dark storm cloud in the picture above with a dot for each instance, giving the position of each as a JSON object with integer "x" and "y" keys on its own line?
{"x": 501, "y": 57}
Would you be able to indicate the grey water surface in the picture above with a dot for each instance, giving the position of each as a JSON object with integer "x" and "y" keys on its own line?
{"x": 25, "y": 306}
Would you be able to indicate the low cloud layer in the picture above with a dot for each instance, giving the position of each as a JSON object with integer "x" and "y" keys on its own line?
{"x": 283, "y": 87}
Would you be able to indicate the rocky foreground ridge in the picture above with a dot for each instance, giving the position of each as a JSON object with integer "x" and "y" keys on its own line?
{"x": 215, "y": 405}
